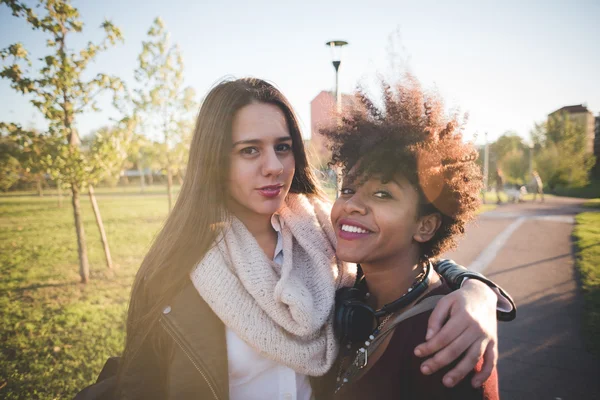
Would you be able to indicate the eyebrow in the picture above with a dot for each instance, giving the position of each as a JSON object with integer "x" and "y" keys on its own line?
{"x": 258, "y": 141}
{"x": 398, "y": 182}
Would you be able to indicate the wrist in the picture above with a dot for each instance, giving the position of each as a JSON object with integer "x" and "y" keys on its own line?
{"x": 480, "y": 287}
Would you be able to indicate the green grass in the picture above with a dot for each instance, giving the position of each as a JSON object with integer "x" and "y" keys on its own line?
{"x": 587, "y": 240}
{"x": 592, "y": 190}
{"x": 491, "y": 198}
{"x": 592, "y": 203}
{"x": 486, "y": 208}
{"x": 55, "y": 332}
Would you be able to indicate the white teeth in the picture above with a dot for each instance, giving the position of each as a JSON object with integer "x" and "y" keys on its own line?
{"x": 353, "y": 229}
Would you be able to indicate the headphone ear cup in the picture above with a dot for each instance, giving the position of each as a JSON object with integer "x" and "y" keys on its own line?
{"x": 353, "y": 319}
{"x": 343, "y": 297}
{"x": 346, "y": 294}
{"x": 359, "y": 323}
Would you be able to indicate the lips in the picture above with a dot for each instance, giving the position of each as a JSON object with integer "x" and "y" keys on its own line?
{"x": 351, "y": 230}
{"x": 270, "y": 191}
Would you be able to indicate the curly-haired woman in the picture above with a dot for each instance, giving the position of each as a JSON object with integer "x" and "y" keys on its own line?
{"x": 410, "y": 186}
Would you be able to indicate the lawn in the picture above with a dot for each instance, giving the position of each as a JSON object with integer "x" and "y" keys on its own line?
{"x": 56, "y": 332}
{"x": 587, "y": 240}
{"x": 592, "y": 190}
{"x": 592, "y": 203}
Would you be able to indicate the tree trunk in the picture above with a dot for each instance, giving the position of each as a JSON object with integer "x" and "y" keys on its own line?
{"x": 142, "y": 179}
{"x": 126, "y": 179}
{"x": 84, "y": 267}
{"x": 39, "y": 186}
{"x": 169, "y": 186}
{"x": 109, "y": 262}
{"x": 59, "y": 189}
{"x": 151, "y": 178}
{"x": 179, "y": 179}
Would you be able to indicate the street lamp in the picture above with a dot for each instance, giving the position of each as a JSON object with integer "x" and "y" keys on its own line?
{"x": 531, "y": 148}
{"x": 336, "y": 60}
{"x": 486, "y": 166}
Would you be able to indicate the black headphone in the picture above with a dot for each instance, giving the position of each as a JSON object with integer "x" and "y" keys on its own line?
{"x": 354, "y": 319}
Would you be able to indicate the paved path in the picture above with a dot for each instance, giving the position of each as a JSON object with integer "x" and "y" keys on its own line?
{"x": 527, "y": 249}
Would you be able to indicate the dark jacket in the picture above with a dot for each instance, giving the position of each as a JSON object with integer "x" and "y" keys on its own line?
{"x": 191, "y": 361}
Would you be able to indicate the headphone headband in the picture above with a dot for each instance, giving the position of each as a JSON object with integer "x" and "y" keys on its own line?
{"x": 410, "y": 296}
{"x": 354, "y": 319}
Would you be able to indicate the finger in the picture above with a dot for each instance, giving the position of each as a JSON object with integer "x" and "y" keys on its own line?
{"x": 438, "y": 316}
{"x": 466, "y": 364}
{"x": 449, "y": 354}
{"x": 490, "y": 359}
{"x": 452, "y": 330}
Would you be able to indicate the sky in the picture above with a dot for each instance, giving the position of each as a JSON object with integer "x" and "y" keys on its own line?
{"x": 507, "y": 64}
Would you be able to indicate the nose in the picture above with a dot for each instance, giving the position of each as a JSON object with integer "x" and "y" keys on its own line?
{"x": 354, "y": 205}
{"x": 272, "y": 165}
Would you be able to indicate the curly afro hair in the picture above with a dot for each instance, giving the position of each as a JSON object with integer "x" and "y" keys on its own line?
{"x": 410, "y": 135}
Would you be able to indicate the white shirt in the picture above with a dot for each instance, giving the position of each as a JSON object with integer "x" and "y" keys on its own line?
{"x": 255, "y": 377}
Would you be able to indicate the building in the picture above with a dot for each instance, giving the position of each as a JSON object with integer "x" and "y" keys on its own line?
{"x": 583, "y": 117}
{"x": 597, "y": 147}
{"x": 323, "y": 114}
{"x": 597, "y": 137}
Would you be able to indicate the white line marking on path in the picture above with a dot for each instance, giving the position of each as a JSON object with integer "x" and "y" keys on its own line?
{"x": 490, "y": 252}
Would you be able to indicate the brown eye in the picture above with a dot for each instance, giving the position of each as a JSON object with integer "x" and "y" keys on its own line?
{"x": 283, "y": 148}
{"x": 382, "y": 194}
{"x": 249, "y": 151}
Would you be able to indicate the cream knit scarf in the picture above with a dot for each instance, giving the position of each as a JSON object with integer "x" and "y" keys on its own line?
{"x": 284, "y": 312}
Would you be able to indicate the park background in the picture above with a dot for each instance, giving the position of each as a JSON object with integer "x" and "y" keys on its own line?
{"x": 88, "y": 179}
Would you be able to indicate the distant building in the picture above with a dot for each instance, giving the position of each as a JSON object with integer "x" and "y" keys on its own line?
{"x": 583, "y": 117}
{"x": 323, "y": 114}
{"x": 597, "y": 137}
{"x": 597, "y": 147}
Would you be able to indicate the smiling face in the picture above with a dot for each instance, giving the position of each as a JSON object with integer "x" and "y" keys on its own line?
{"x": 262, "y": 161}
{"x": 378, "y": 222}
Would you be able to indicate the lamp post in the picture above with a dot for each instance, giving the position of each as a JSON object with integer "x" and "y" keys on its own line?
{"x": 531, "y": 148}
{"x": 486, "y": 166}
{"x": 336, "y": 60}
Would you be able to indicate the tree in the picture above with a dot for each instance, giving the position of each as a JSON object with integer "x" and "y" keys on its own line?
{"x": 162, "y": 99}
{"x": 108, "y": 151}
{"x": 511, "y": 155}
{"x": 60, "y": 91}
{"x": 31, "y": 150}
{"x": 143, "y": 155}
{"x": 515, "y": 166}
{"x": 10, "y": 167}
{"x": 106, "y": 157}
{"x": 181, "y": 150}
{"x": 561, "y": 158}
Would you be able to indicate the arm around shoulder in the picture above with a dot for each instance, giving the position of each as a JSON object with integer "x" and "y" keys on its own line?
{"x": 455, "y": 275}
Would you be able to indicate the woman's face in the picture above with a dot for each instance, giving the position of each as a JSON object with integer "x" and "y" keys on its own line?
{"x": 376, "y": 221}
{"x": 262, "y": 161}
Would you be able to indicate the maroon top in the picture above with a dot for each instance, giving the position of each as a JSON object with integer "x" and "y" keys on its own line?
{"x": 397, "y": 375}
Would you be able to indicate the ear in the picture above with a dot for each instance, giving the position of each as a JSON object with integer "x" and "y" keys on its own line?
{"x": 427, "y": 226}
